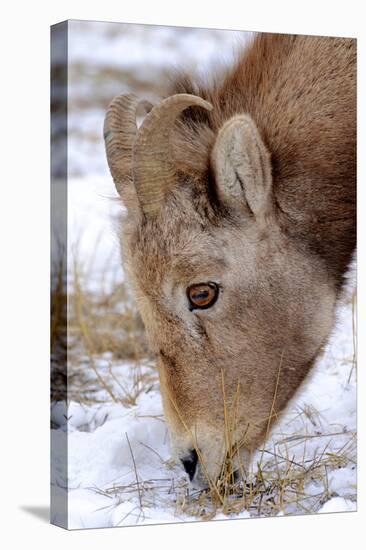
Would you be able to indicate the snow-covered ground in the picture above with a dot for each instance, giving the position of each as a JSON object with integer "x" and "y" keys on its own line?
{"x": 119, "y": 470}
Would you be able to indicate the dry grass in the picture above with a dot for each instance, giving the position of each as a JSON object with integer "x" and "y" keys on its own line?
{"x": 86, "y": 325}
{"x": 276, "y": 482}
{"x": 277, "y": 486}
{"x": 273, "y": 485}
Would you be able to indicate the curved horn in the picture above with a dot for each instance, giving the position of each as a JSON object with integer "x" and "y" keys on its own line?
{"x": 120, "y": 134}
{"x": 154, "y": 169}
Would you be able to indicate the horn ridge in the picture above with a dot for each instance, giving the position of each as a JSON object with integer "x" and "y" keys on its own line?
{"x": 153, "y": 165}
{"x": 119, "y": 136}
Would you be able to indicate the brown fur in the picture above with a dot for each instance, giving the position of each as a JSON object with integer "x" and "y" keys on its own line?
{"x": 279, "y": 278}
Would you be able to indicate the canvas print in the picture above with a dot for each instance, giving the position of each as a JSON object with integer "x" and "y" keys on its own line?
{"x": 203, "y": 308}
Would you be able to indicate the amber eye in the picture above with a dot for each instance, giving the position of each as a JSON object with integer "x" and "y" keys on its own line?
{"x": 202, "y": 295}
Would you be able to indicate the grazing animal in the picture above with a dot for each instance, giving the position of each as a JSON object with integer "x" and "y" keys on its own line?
{"x": 239, "y": 231}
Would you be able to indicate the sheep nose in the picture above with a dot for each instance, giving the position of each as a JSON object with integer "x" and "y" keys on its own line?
{"x": 190, "y": 463}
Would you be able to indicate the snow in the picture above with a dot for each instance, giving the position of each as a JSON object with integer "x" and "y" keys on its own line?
{"x": 93, "y": 213}
{"x": 124, "y": 45}
{"x": 338, "y": 504}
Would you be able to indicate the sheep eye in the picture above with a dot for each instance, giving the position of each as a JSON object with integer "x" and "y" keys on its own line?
{"x": 202, "y": 295}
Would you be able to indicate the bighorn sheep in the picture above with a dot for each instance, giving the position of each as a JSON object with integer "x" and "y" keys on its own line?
{"x": 240, "y": 228}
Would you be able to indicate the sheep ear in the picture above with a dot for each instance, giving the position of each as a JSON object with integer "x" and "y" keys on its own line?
{"x": 242, "y": 166}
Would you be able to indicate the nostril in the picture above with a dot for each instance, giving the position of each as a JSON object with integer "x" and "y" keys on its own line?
{"x": 190, "y": 463}
{"x": 236, "y": 476}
